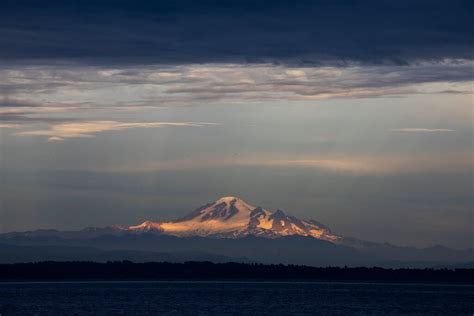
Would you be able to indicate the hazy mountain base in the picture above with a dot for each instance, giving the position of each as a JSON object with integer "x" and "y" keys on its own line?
{"x": 22, "y": 254}
{"x": 287, "y": 250}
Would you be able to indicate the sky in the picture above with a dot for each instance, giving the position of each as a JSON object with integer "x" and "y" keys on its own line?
{"x": 358, "y": 114}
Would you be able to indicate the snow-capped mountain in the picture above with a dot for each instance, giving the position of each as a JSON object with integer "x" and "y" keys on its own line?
{"x": 231, "y": 229}
{"x": 231, "y": 217}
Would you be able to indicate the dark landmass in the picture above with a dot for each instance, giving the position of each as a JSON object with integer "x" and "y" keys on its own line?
{"x": 127, "y": 270}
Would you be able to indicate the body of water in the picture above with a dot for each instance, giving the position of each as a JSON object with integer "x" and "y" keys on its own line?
{"x": 234, "y": 298}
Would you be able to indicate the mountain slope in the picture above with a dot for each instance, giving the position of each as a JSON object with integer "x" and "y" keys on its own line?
{"x": 231, "y": 217}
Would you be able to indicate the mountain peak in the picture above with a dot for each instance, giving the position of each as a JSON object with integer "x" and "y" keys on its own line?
{"x": 230, "y": 216}
{"x": 228, "y": 199}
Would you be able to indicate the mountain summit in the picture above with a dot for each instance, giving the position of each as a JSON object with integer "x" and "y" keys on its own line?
{"x": 231, "y": 217}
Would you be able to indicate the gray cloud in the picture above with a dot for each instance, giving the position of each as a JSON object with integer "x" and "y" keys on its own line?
{"x": 184, "y": 31}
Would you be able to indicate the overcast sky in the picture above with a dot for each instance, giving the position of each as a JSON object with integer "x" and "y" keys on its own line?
{"x": 358, "y": 114}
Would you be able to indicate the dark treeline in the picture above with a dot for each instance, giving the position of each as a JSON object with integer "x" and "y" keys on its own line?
{"x": 126, "y": 270}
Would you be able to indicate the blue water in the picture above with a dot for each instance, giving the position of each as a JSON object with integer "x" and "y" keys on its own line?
{"x": 234, "y": 298}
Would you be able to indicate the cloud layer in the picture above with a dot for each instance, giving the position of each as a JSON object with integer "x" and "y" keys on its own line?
{"x": 189, "y": 31}
{"x": 55, "y": 89}
{"x": 380, "y": 164}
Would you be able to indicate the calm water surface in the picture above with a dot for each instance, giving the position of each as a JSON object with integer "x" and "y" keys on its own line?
{"x": 234, "y": 298}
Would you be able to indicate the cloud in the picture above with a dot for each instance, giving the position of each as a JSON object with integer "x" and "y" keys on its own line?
{"x": 235, "y": 31}
{"x": 9, "y": 125}
{"x": 88, "y": 88}
{"x": 87, "y": 129}
{"x": 421, "y": 130}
